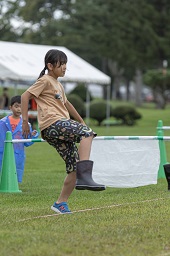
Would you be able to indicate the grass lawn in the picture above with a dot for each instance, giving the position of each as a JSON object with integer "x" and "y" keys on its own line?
{"x": 118, "y": 221}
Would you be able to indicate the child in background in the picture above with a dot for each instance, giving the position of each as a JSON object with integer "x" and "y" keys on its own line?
{"x": 13, "y": 123}
{"x": 4, "y": 100}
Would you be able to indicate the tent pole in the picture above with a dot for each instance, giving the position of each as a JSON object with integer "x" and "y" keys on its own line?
{"x": 15, "y": 88}
{"x": 87, "y": 105}
{"x": 108, "y": 104}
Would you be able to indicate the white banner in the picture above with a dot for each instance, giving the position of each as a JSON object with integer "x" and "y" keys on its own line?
{"x": 125, "y": 163}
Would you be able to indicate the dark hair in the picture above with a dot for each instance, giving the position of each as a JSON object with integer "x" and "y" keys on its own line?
{"x": 15, "y": 99}
{"x": 53, "y": 57}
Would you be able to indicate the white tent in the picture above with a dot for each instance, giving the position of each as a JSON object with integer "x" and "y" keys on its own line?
{"x": 24, "y": 62}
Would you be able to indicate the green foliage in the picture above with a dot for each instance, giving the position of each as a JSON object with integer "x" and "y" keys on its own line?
{"x": 81, "y": 91}
{"x": 91, "y": 121}
{"x": 157, "y": 79}
{"x": 127, "y": 114}
{"x": 111, "y": 121}
{"x": 143, "y": 43}
{"x": 98, "y": 110}
{"x": 77, "y": 102}
{"x": 8, "y": 9}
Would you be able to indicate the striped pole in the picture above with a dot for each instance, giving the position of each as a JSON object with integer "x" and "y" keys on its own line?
{"x": 132, "y": 138}
{"x": 102, "y": 138}
{"x": 165, "y": 127}
{"x": 26, "y": 140}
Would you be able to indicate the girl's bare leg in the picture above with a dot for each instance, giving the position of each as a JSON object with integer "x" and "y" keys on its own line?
{"x": 85, "y": 148}
{"x": 69, "y": 185}
{"x": 70, "y": 180}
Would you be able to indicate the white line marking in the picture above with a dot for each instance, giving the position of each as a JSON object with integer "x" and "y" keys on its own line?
{"x": 92, "y": 209}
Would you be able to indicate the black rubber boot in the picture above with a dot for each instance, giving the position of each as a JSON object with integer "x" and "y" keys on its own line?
{"x": 84, "y": 177}
{"x": 167, "y": 174}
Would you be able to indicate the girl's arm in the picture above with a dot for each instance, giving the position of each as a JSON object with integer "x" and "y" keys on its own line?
{"x": 73, "y": 112}
{"x": 25, "y": 97}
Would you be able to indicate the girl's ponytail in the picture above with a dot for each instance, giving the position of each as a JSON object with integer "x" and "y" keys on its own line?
{"x": 42, "y": 72}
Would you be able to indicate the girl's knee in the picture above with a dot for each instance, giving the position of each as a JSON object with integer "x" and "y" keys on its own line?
{"x": 87, "y": 139}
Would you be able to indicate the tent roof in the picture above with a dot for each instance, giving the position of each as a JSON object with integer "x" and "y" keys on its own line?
{"x": 24, "y": 62}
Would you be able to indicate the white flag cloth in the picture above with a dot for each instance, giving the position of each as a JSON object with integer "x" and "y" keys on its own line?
{"x": 125, "y": 163}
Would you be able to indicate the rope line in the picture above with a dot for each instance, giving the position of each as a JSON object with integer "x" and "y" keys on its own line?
{"x": 92, "y": 209}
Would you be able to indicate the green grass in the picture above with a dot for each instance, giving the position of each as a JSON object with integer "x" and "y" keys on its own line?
{"x": 124, "y": 222}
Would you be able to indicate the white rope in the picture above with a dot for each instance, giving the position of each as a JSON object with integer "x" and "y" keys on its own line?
{"x": 92, "y": 209}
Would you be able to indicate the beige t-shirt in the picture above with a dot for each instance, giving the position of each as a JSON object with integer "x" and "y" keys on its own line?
{"x": 49, "y": 108}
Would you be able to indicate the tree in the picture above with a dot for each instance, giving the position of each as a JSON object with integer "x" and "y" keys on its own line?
{"x": 77, "y": 103}
{"x": 7, "y": 13}
{"x": 124, "y": 34}
{"x": 98, "y": 110}
{"x": 159, "y": 81}
{"x": 102, "y": 32}
{"x": 81, "y": 91}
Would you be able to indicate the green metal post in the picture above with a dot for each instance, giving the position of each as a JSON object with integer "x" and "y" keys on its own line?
{"x": 163, "y": 158}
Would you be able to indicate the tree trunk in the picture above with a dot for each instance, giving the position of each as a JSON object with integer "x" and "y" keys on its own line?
{"x": 160, "y": 100}
{"x": 127, "y": 84}
{"x": 138, "y": 88}
{"x": 116, "y": 73}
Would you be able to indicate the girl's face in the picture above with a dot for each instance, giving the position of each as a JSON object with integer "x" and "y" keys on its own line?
{"x": 56, "y": 70}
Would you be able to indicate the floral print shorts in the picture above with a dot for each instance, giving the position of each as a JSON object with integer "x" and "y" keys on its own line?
{"x": 63, "y": 136}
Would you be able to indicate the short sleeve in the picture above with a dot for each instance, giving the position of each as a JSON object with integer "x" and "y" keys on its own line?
{"x": 37, "y": 88}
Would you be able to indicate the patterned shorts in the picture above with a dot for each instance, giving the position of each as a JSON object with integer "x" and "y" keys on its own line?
{"x": 63, "y": 136}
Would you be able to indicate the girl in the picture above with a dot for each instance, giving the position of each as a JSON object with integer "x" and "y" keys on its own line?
{"x": 59, "y": 130}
